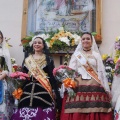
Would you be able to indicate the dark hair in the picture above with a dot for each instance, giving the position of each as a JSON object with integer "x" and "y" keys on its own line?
{"x": 45, "y": 49}
{"x": 88, "y": 34}
{"x": 1, "y": 34}
{"x": 29, "y": 50}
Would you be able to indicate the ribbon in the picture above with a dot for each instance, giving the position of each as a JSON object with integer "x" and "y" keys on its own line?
{"x": 17, "y": 93}
{"x": 68, "y": 82}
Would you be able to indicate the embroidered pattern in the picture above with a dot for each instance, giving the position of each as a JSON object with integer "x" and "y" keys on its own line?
{"x": 89, "y": 97}
{"x": 27, "y": 113}
{"x": 47, "y": 110}
{"x": 34, "y": 95}
{"x": 89, "y": 89}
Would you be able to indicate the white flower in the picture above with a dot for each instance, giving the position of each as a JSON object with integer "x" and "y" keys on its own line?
{"x": 61, "y": 28}
{"x": 47, "y": 110}
{"x": 65, "y": 39}
{"x": 13, "y": 59}
{"x": 44, "y": 36}
{"x": 48, "y": 44}
{"x": 77, "y": 38}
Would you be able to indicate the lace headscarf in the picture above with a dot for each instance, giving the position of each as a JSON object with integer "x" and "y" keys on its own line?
{"x": 100, "y": 66}
{"x": 94, "y": 46}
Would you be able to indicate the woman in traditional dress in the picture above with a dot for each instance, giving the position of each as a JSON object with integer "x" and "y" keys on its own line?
{"x": 5, "y": 68}
{"x": 92, "y": 99}
{"x": 116, "y": 92}
{"x": 40, "y": 92}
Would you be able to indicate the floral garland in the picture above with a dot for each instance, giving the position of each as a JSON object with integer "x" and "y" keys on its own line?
{"x": 62, "y": 40}
{"x": 56, "y": 41}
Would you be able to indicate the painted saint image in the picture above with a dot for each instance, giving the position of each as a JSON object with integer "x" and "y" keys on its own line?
{"x": 72, "y": 7}
{"x": 75, "y": 15}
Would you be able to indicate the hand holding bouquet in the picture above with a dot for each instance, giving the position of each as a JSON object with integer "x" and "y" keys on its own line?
{"x": 66, "y": 76}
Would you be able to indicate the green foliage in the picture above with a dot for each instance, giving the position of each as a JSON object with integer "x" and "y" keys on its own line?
{"x": 94, "y": 33}
{"x": 58, "y": 45}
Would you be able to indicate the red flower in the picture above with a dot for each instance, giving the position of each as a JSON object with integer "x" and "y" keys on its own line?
{"x": 117, "y": 116}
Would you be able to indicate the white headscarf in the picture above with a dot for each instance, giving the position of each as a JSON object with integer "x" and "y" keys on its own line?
{"x": 94, "y": 46}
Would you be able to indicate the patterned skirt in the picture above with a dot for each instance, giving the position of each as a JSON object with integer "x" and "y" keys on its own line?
{"x": 90, "y": 103}
{"x": 34, "y": 114}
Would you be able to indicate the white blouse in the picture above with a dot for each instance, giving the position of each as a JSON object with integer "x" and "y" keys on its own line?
{"x": 76, "y": 65}
{"x": 96, "y": 62}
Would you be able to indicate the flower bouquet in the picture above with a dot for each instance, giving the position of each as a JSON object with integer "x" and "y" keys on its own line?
{"x": 15, "y": 82}
{"x": 66, "y": 76}
{"x": 109, "y": 64}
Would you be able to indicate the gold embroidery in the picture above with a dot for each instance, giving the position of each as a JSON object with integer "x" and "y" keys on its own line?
{"x": 32, "y": 93}
{"x": 43, "y": 100}
{"x": 38, "y": 73}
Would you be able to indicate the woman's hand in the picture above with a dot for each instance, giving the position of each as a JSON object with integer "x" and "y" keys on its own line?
{"x": 109, "y": 95}
{"x": 2, "y": 76}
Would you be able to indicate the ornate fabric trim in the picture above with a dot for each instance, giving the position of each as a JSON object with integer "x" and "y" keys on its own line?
{"x": 33, "y": 95}
{"x": 87, "y": 110}
{"x": 43, "y": 100}
{"x": 88, "y": 104}
{"x": 89, "y": 95}
{"x": 39, "y": 74}
{"x": 84, "y": 88}
{"x": 41, "y": 62}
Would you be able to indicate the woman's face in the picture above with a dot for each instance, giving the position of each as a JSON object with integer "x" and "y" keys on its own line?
{"x": 38, "y": 45}
{"x": 1, "y": 39}
{"x": 86, "y": 41}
